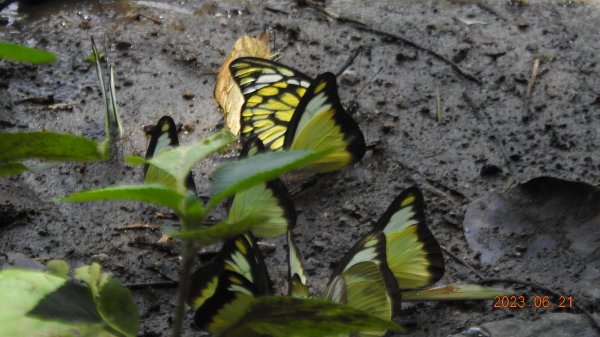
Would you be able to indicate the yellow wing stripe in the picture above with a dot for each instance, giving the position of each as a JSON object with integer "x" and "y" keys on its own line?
{"x": 272, "y": 91}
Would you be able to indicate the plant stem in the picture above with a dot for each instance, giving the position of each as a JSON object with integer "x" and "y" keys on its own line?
{"x": 184, "y": 280}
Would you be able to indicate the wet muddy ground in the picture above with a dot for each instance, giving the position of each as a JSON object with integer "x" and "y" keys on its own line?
{"x": 457, "y": 97}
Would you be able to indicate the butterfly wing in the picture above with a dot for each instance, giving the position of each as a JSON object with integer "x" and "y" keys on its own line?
{"x": 413, "y": 253}
{"x": 364, "y": 281}
{"x": 320, "y": 122}
{"x": 164, "y": 137}
{"x": 270, "y": 200}
{"x": 239, "y": 255}
{"x": 296, "y": 273}
{"x": 272, "y": 91}
{"x": 218, "y": 311}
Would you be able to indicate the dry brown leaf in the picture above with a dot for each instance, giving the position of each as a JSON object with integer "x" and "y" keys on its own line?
{"x": 227, "y": 93}
{"x": 164, "y": 239}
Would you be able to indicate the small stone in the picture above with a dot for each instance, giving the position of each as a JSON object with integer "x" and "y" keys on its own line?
{"x": 489, "y": 170}
{"x": 349, "y": 207}
{"x": 188, "y": 96}
{"x": 102, "y": 257}
{"x": 122, "y": 45}
{"x": 318, "y": 245}
{"x": 387, "y": 128}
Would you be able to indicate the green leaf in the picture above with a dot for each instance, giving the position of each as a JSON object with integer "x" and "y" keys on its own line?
{"x": 58, "y": 268}
{"x": 453, "y": 292}
{"x": 220, "y": 231}
{"x": 154, "y": 194}
{"x": 178, "y": 161}
{"x": 105, "y": 98}
{"x": 71, "y": 302}
{"x": 18, "y": 146}
{"x": 193, "y": 212}
{"x": 117, "y": 307}
{"x": 92, "y": 275}
{"x": 112, "y": 109}
{"x": 34, "y": 303}
{"x": 20, "y": 53}
{"x": 290, "y": 317}
{"x": 113, "y": 301}
{"x": 9, "y": 169}
{"x": 135, "y": 160}
{"x": 237, "y": 176}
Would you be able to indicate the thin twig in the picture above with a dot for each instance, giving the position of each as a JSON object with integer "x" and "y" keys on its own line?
{"x": 393, "y": 38}
{"x": 475, "y": 109}
{"x": 156, "y": 21}
{"x": 438, "y": 105}
{"x": 446, "y": 189}
{"x": 463, "y": 263}
{"x": 491, "y": 11}
{"x": 353, "y": 106}
{"x": 349, "y": 62}
{"x": 546, "y": 289}
{"x": 527, "y": 97}
{"x": 276, "y": 10}
{"x": 158, "y": 284}
{"x": 137, "y": 226}
{"x": 435, "y": 186}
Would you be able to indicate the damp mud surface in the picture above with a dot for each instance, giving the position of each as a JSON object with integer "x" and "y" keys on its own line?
{"x": 464, "y": 99}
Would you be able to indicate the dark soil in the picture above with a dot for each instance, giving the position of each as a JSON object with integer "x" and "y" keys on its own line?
{"x": 457, "y": 114}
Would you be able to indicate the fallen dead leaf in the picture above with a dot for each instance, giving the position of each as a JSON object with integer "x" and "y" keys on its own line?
{"x": 164, "y": 239}
{"x": 227, "y": 93}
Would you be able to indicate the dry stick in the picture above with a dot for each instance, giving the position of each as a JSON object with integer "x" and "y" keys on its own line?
{"x": 463, "y": 263}
{"x": 156, "y": 21}
{"x": 546, "y": 289}
{"x": 491, "y": 11}
{"x": 498, "y": 140}
{"x": 158, "y": 284}
{"x": 438, "y": 104}
{"x": 139, "y": 226}
{"x": 395, "y": 38}
{"x": 349, "y": 62}
{"x": 353, "y": 104}
{"x": 526, "y": 98}
{"x": 436, "y": 186}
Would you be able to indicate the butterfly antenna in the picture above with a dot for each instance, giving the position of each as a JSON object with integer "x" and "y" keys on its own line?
{"x": 349, "y": 62}
{"x": 353, "y": 104}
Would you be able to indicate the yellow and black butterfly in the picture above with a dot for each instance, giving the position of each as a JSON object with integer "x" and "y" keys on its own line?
{"x": 413, "y": 253}
{"x": 362, "y": 280}
{"x": 287, "y": 110}
{"x": 162, "y": 137}
{"x": 400, "y": 254}
{"x": 238, "y": 270}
